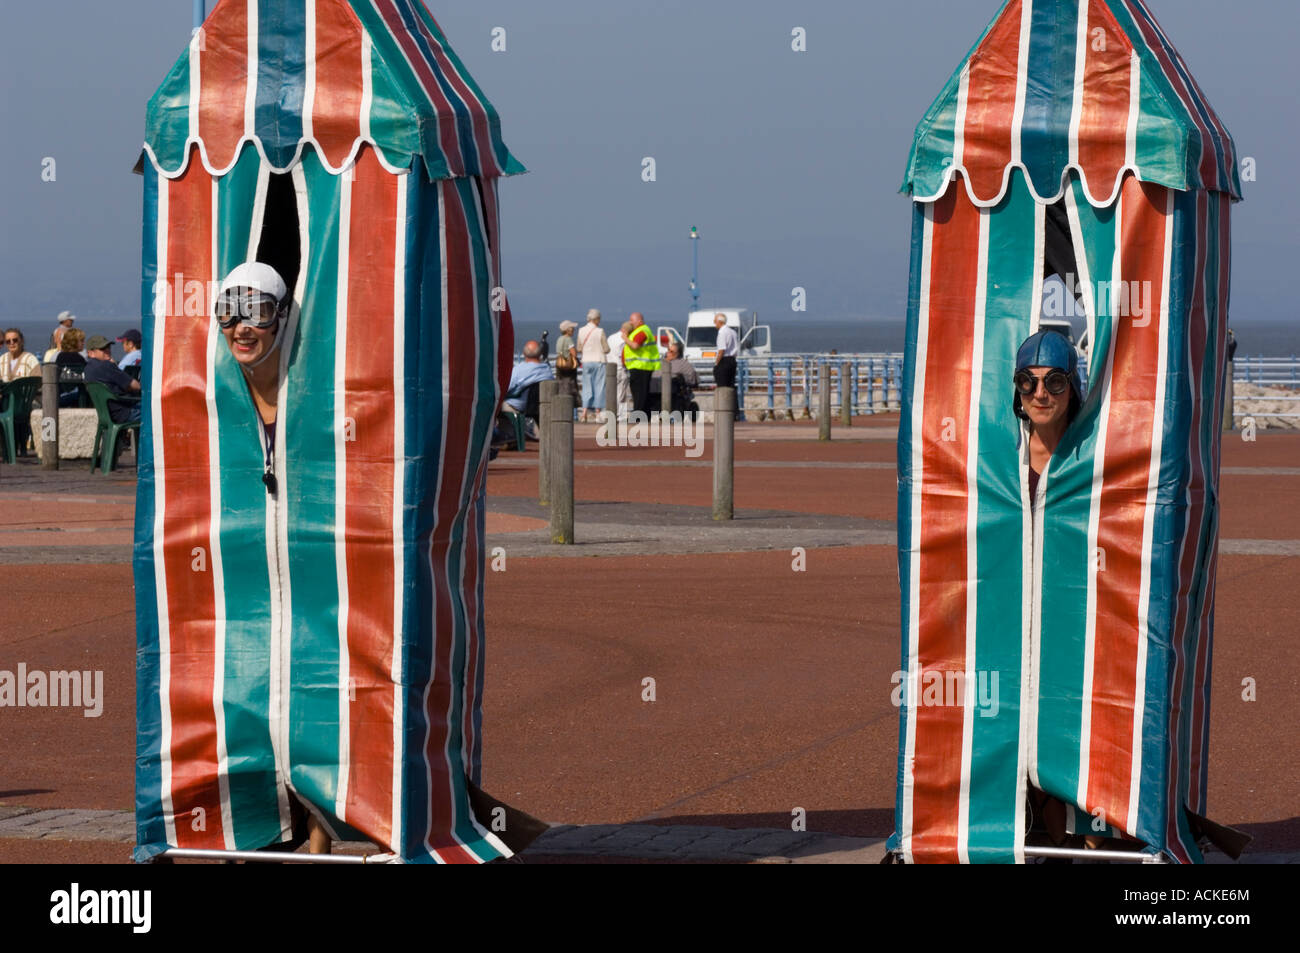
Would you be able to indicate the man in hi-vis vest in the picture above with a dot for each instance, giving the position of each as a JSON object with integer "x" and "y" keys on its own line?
{"x": 641, "y": 358}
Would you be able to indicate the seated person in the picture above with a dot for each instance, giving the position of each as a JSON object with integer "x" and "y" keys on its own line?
{"x": 72, "y": 366}
{"x": 532, "y": 370}
{"x": 100, "y": 369}
{"x": 685, "y": 380}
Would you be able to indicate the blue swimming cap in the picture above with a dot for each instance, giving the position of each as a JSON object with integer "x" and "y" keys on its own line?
{"x": 1048, "y": 349}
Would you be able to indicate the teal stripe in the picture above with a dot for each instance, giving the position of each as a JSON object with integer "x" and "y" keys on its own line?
{"x": 243, "y": 545}
{"x": 167, "y": 122}
{"x": 1049, "y": 94}
{"x": 995, "y": 744}
{"x": 1066, "y": 554}
{"x": 309, "y": 494}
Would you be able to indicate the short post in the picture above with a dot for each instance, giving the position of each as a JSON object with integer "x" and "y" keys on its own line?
{"x": 824, "y": 401}
{"x": 546, "y": 392}
{"x": 611, "y": 405}
{"x": 846, "y": 408}
{"x": 560, "y": 461}
{"x": 665, "y": 392}
{"x": 724, "y": 447}
{"x": 1229, "y": 394}
{"x": 807, "y": 387}
{"x": 50, "y": 416}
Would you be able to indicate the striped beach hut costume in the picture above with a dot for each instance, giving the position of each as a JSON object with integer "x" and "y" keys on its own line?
{"x": 1064, "y": 644}
{"x": 322, "y": 643}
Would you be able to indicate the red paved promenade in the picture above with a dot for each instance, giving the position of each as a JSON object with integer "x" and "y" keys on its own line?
{"x": 772, "y": 686}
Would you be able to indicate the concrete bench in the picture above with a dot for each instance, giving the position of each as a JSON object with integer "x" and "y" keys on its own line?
{"x": 77, "y": 426}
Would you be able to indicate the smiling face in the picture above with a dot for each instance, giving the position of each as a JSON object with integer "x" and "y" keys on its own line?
{"x": 13, "y": 342}
{"x": 249, "y": 344}
{"x": 1044, "y": 408}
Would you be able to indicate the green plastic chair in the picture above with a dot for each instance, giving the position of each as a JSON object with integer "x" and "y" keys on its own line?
{"x": 15, "y": 404}
{"x": 106, "y": 445}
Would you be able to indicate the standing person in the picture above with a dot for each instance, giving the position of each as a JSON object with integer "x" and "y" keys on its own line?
{"x": 17, "y": 361}
{"x": 594, "y": 349}
{"x": 641, "y": 357}
{"x": 100, "y": 369}
{"x": 566, "y": 359}
{"x": 728, "y": 346}
{"x": 1046, "y": 398}
{"x": 130, "y": 341}
{"x": 252, "y": 310}
{"x": 614, "y": 365}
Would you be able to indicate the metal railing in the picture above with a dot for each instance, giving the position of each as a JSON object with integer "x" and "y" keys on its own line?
{"x": 785, "y": 385}
{"x": 1274, "y": 373}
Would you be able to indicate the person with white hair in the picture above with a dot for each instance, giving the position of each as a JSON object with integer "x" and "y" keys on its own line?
{"x": 566, "y": 359}
{"x": 594, "y": 347}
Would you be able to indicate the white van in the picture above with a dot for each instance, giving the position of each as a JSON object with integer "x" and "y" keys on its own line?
{"x": 702, "y": 336}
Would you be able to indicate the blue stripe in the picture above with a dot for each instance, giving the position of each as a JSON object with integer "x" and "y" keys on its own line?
{"x": 1049, "y": 95}
{"x": 464, "y": 124}
{"x": 151, "y": 830}
{"x": 281, "y": 78}
{"x": 423, "y": 440}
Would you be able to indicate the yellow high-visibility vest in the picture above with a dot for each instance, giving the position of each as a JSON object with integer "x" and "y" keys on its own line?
{"x": 645, "y": 357}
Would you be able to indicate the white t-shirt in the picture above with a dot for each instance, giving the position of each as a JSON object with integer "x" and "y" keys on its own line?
{"x": 615, "y": 348}
{"x": 728, "y": 343}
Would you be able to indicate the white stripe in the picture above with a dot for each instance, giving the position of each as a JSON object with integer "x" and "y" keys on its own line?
{"x": 970, "y": 679}
{"x": 1029, "y": 742}
{"x": 367, "y": 86}
{"x": 250, "y": 90}
{"x": 309, "y": 78}
{"x": 1134, "y": 110}
{"x": 1022, "y": 77}
{"x": 1094, "y": 519}
{"x": 161, "y": 306}
{"x": 340, "y": 489}
{"x": 399, "y": 512}
{"x": 214, "y": 539}
{"x": 959, "y": 122}
{"x": 1148, "y": 521}
{"x": 1080, "y": 64}
{"x": 913, "y": 694}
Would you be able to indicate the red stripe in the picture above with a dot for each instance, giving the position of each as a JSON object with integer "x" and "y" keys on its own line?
{"x": 223, "y": 80}
{"x": 336, "y": 108}
{"x": 191, "y": 598}
{"x": 942, "y": 575}
{"x": 1104, "y": 106}
{"x": 369, "y": 401}
{"x": 473, "y": 635}
{"x": 458, "y": 349}
{"x": 442, "y": 108}
{"x": 1121, "y": 507}
{"x": 991, "y": 104}
{"x": 477, "y": 113}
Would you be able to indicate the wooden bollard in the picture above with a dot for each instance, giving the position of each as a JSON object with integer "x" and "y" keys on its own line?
{"x": 611, "y": 404}
{"x": 50, "y": 416}
{"x": 824, "y": 402}
{"x": 724, "y": 450}
{"x": 846, "y": 394}
{"x": 560, "y": 461}
{"x": 546, "y": 392}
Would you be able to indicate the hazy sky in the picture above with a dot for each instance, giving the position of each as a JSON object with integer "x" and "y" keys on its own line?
{"x": 788, "y": 162}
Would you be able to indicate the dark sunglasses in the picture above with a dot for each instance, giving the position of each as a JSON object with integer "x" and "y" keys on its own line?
{"x": 1056, "y": 383}
{"x": 13, "y": 341}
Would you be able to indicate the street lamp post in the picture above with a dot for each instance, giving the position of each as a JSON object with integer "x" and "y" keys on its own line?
{"x": 695, "y": 268}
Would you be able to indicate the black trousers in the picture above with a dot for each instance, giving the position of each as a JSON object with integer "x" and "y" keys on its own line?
{"x": 639, "y": 381}
{"x": 724, "y": 372}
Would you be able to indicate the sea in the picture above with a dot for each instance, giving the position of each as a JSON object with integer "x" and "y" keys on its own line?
{"x": 791, "y": 336}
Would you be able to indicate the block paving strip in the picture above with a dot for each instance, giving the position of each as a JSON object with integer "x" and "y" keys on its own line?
{"x": 683, "y": 842}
